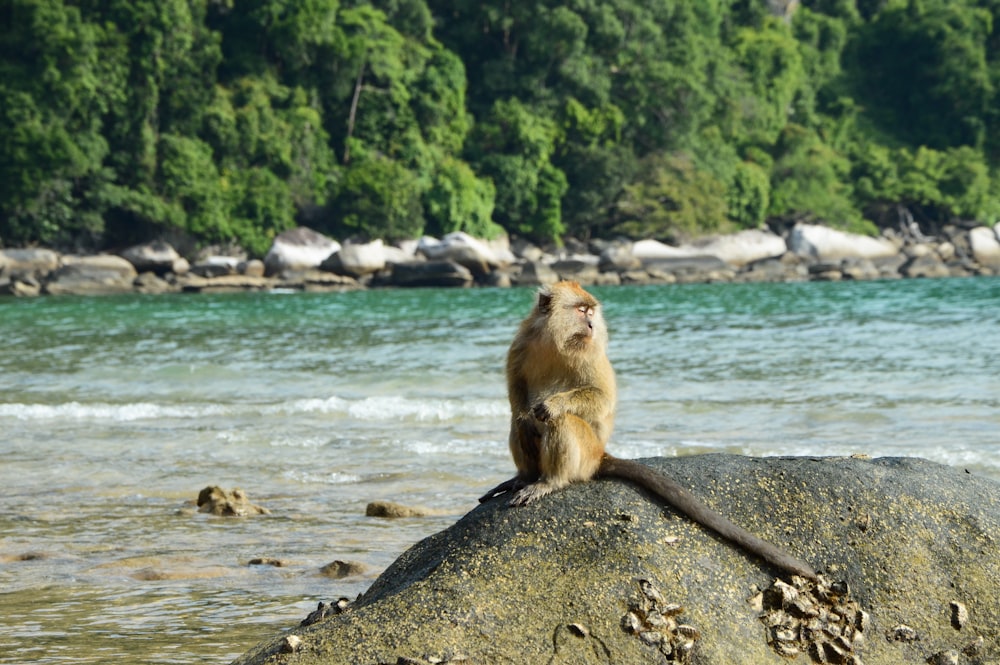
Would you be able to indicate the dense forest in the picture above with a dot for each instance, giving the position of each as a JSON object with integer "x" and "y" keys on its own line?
{"x": 228, "y": 121}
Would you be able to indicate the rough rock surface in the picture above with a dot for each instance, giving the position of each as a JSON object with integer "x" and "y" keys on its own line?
{"x": 601, "y": 572}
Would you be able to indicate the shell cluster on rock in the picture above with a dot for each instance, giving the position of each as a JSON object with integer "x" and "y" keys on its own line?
{"x": 324, "y": 610}
{"x": 815, "y": 618}
{"x": 655, "y": 622}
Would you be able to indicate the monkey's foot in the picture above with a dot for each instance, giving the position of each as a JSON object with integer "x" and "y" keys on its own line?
{"x": 512, "y": 485}
{"x": 532, "y": 492}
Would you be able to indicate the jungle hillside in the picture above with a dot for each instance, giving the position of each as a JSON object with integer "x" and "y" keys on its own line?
{"x": 229, "y": 121}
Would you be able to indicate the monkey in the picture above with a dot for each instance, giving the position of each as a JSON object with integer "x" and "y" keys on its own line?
{"x": 563, "y": 395}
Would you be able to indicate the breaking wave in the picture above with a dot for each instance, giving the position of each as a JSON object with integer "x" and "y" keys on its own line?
{"x": 383, "y": 408}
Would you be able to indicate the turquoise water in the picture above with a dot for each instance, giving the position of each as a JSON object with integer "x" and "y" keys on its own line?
{"x": 116, "y": 411}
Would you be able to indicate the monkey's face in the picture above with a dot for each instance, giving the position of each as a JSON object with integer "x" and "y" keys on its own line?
{"x": 573, "y": 316}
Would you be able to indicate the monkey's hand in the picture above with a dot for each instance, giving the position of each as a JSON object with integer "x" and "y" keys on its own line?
{"x": 553, "y": 407}
{"x": 541, "y": 412}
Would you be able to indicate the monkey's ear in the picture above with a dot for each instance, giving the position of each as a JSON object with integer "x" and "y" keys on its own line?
{"x": 544, "y": 301}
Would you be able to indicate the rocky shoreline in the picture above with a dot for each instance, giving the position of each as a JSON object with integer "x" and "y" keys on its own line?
{"x": 304, "y": 260}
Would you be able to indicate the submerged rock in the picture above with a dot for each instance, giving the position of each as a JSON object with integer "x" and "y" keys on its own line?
{"x": 391, "y": 509}
{"x": 236, "y": 503}
{"x": 602, "y": 572}
{"x": 340, "y": 569}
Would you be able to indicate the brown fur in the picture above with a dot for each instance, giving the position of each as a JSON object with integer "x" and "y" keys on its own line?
{"x": 562, "y": 393}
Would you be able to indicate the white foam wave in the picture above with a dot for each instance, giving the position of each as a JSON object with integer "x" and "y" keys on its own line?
{"x": 114, "y": 412}
{"x": 383, "y": 408}
{"x": 332, "y": 478}
{"x": 397, "y": 408}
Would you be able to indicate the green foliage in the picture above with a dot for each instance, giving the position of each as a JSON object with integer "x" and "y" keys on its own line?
{"x": 808, "y": 181}
{"x": 513, "y": 147}
{"x": 458, "y": 200}
{"x": 672, "y": 199}
{"x": 231, "y": 121}
{"x": 923, "y": 68}
{"x": 262, "y": 206}
{"x": 933, "y": 186}
{"x": 771, "y": 61}
{"x": 188, "y": 178}
{"x": 378, "y": 198}
{"x": 749, "y": 195}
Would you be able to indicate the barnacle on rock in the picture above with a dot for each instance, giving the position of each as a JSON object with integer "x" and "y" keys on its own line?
{"x": 902, "y": 633}
{"x": 652, "y": 619}
{"x": 817, "y": 618}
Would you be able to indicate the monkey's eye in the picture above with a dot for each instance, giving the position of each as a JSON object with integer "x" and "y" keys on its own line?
{"x": 586, "y": 311}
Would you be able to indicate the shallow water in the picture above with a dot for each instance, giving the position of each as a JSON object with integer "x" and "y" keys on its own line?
{"x": 117, "y": 411}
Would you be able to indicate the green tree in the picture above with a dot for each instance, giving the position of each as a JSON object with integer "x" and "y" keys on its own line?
{"x": 378, "y": 198}
{"x": 921, "y": 69}
{"x": 51, "y": 142}
{"x": 672, "y": 199}
{"x": 513, "y": 147}
{"x": 809, "y": 180}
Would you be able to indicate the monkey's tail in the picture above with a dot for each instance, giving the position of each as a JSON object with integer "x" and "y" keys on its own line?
{"x": 686, "y": 502}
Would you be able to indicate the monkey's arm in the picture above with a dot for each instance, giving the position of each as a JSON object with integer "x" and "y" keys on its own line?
{"x": 686, "y": 502}
{"x": 585, "y": 402}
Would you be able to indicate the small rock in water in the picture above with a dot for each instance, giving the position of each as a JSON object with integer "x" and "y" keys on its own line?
{"x": 217, "y": 501}
{"x": 341, "y": 569}
{"x": 391, "y": 510}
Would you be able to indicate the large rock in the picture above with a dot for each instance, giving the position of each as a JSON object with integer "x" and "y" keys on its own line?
{"x": 925, "y": 265}
{"x": 216, "y": 266}
{"x": 357, "y": 260}
{"x": 909, "y": 553}
{"x": 985, "y": 246}
{"x": 300, "y": 248}
{"x": 463, "y": 249}
{"x": 739, "y": 249}
{"x": 654, "y": 250}
{"x": 661, "y": 260}
{"x": 430, "y": 273}
{"x": 158, "y": 257}
{"x": 822, "y": 243}
{"x": 37, "y": 262}
{"x": 92, "y": 275}
{"x": 535, "y": 273}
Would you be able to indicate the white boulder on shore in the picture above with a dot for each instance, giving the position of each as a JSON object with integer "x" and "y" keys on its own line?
{"x": 741, "y": 248}
{"x": 300, "y": 248}
{"x": 825, "y": 244}
{"x": 461, "y": 248}
{"x": 157, "y": 257}
{"x": 651, "y": 250}
{"x": 985, "y": 244}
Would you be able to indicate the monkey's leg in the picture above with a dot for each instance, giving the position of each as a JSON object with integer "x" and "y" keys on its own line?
{"x": 569, "y": 452}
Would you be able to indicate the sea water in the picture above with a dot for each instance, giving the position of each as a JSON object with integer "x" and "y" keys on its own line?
{"x": 116, "y": 411}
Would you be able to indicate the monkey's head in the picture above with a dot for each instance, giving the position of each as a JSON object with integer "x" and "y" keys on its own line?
{"x": 572, "y": 317}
